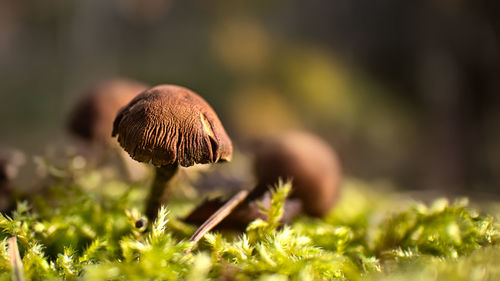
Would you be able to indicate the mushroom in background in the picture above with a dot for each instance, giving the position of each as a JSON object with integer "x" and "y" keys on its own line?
{"x": 169, "y": 126}
{"x": 306, "y": 159}
{"x": 91, "y": 120}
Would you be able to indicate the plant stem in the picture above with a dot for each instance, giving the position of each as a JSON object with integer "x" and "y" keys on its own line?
{"x": 15, "y": 260}
{"x": 159, "y": 189}
{"x": 217, "y": 217}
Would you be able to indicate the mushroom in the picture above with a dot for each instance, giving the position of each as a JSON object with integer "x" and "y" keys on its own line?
{"x": 306, "y": 159}
{"x": 92, "y": 118}
{"x": 169, "y": 126}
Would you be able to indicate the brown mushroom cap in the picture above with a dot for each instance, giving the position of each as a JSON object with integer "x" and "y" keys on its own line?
{"x": 306, "y": 159}
{"x": 92, "y": 118}
{"x": 170, "y": 124}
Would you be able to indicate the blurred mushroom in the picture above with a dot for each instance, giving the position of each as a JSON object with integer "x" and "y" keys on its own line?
{"x": 92, "y": 118}
{"x": 169, "y": 126}
{"x": 306, "y": 159}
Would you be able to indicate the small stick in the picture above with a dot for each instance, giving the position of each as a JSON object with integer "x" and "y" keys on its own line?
{"x": 216, "y": 218}
{"x": 15, "y": 260}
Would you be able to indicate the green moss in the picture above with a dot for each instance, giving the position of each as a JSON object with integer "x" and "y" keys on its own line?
{"x": 79, "y": 234}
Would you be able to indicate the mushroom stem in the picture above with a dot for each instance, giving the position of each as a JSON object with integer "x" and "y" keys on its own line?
{"x": 159, "y": 194}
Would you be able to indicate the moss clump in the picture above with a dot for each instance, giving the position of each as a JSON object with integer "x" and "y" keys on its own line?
{"x": 96, "y": 236}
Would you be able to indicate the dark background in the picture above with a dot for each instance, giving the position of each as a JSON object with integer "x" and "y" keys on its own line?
{"x": 407, "y": 91}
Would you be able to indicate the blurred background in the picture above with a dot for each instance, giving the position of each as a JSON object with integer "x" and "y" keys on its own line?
{"x": 406, "y": 91}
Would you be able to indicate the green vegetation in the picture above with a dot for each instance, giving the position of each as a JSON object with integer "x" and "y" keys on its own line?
{"x": 86, "y": 228}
